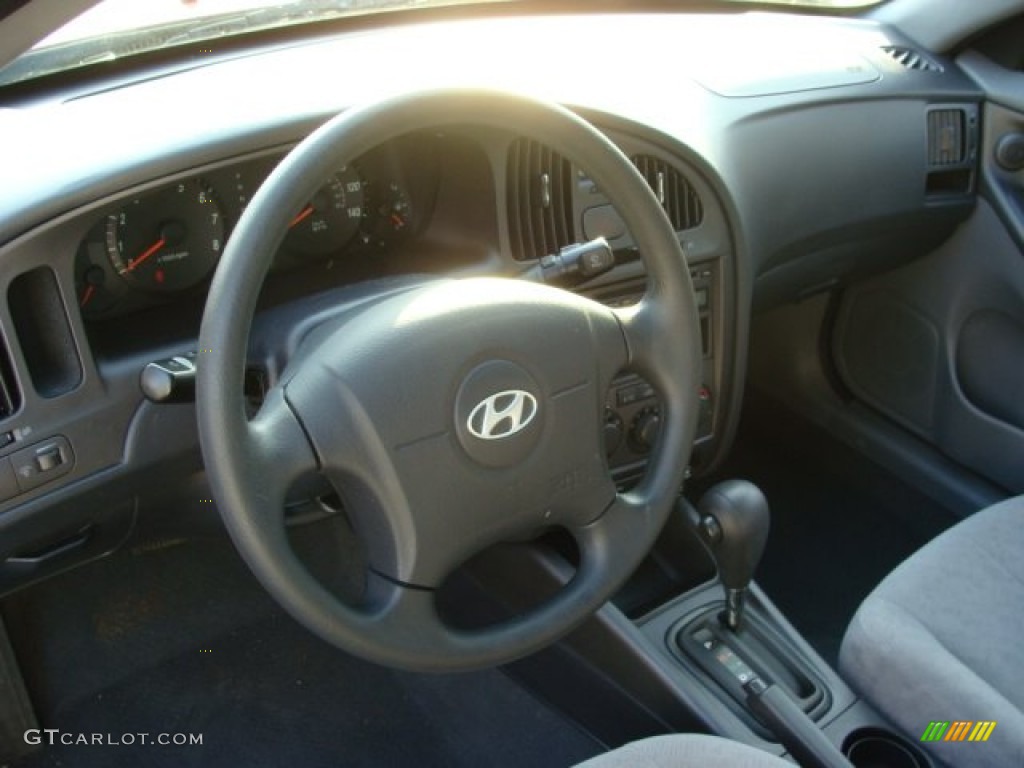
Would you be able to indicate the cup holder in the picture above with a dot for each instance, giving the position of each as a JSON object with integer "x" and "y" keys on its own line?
{"x": 878, "y": 748}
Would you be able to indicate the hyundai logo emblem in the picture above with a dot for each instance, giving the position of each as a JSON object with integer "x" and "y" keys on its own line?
{"x": 502, "y": 415}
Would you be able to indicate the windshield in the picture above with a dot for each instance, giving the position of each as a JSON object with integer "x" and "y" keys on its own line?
{"x": 113, "y": 16}
{"x": 117, "y": 28}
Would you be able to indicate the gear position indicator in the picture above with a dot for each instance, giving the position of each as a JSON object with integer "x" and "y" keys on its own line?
{"x": 725, "y": 656}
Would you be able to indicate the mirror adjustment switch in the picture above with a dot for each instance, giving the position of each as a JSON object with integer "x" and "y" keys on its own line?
{"x": 48, "y": 458}
{"x": 42, "y": 462}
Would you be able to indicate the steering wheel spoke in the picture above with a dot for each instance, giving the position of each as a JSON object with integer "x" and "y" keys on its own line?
{"x": 278, "y": 453}
{"x": 612, "y": 544}
{"x": 640, "y": 330}
{"x": 611, "y": 348}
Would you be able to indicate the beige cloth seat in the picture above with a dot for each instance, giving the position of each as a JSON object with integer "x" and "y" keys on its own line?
{"x": 940, "y": 638}
{"x": 686, "y": 751}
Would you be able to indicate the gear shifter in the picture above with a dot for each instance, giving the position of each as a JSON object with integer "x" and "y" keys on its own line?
{"x": 732, "y": 518}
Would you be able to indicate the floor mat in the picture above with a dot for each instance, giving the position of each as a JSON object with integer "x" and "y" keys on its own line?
{"x": 182, "y": 641}
{"x": 840, "y": 522}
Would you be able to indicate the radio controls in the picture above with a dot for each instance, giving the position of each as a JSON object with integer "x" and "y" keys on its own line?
{"x": 645, "y": 429}
{"x": 634, "y": 393}
{"x": 614, "y": 431}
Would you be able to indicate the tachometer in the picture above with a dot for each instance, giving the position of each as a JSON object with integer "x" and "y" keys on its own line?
{"x": 331, "y": 218}
{"x": 169, "y": 240}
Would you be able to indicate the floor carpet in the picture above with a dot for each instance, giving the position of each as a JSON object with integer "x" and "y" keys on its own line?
{"x": 177, "y": 637}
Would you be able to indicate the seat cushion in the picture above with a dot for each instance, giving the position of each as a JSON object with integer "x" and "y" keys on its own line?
{"x": 942, "y": 638}
{"x": 685, "y": 751}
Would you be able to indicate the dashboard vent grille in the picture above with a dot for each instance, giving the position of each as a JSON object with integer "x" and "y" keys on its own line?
{"x": 908, "y": 58}
{"x": 946, "y": 145}
{"x": 10, "y": 396}
{"x": 676, "y": 195}
{"x": 539, "y": 200}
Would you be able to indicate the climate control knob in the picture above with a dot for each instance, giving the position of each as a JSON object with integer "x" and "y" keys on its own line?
{"x": 613, "y": 431}
{"x": 643, "y": 434}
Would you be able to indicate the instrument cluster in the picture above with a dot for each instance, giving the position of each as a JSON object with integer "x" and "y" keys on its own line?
{"x": 167, "y": 242}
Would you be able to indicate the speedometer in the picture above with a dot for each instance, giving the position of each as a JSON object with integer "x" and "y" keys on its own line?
{"x": 331, "y": 218}
{"x": 169, "y": 240}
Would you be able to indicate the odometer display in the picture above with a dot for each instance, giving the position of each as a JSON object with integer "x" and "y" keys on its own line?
{"x": 167, "y": 241}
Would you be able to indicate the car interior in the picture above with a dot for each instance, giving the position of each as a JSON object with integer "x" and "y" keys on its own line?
{"x": 512, "y": 383}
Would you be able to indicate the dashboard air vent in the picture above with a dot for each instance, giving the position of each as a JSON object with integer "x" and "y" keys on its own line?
{"x": 539, "y": 200}
{"x": 946, "y": 137}
{"x": 676, "y": 195}
{"x": 10, "y": 397}
{"x": 908, "y": 58}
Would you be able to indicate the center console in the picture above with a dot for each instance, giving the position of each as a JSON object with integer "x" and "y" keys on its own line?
{"x": 690, "y": 644}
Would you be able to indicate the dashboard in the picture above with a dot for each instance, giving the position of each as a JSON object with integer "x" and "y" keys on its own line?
{"x": 430, "y": 204}
{"x": 819, "y": 158}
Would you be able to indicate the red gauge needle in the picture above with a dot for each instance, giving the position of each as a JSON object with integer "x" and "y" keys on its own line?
{"x": 146, "y": 254}
{"x": 87, "y": 294}
{"x": 302, "y": 216}
{"x": 397, "y": 220}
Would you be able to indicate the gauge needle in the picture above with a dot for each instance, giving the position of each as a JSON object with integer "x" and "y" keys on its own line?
{"x": 397, "y": 220}
{"x": 87, "y": 294}
{"x": 302, "y": 215}
{"x": 146, "y": 254}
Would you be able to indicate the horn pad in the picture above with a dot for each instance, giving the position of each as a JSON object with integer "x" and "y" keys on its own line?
{"x": 499, "y": 414}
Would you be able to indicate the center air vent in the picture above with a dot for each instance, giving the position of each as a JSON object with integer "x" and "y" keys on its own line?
{"x": 676, "y": 195}
{"x": 908, "y": 58}
{"x": 539, "y": 200}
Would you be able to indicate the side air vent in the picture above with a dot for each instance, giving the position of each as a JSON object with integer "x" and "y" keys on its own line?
{"x": 539, "y": 200}
{"x": 676, "y": 195}
{"x": 908, "y": 58}
{"x": 946, "y": 137}
{"x": 952, "y": 150}
{"x": 10, "y": 397}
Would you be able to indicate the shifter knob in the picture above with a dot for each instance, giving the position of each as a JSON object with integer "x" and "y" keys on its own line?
{"x": 733, "y": 520}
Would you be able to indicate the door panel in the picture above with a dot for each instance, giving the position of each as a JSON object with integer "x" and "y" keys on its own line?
{"x": 939, "y": 347}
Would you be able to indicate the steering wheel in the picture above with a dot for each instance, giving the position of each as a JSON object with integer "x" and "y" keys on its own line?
{"x": 451, "y": 415}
